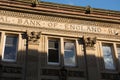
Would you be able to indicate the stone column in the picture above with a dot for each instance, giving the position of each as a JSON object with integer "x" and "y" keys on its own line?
{"x": 32, "y": 55}
{"x": 90, "y": 58}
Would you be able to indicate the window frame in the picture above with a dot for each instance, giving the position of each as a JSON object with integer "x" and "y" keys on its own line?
{"x": 118, "y": 53}
{"x": 53, "y": 63}
{"x": 75, "y": 52}
{"x": 3, "y": 50}
{"x": 111, "y": 45}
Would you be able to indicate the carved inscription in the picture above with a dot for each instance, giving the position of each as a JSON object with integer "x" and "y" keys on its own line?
{"x": 56, "y": 25}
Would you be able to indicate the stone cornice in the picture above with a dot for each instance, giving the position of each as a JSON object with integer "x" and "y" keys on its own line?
{"x": 57, "y": 19}
{"x": 61, "y": 10}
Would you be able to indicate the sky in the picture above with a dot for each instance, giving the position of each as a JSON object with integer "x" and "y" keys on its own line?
{"x": 101, "y": 4}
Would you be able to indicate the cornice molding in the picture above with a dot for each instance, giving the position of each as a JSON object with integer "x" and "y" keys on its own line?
{"x": 61, "y": 10}
{"x": 58, "y": 19}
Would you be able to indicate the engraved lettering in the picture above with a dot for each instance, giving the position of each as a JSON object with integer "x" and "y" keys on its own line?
{"x": 72, "y": 27}
{"x": 26, "y": 22}
{"x": 93, "y": 29}
{"x": 52, "y": 25}
{"x": 32, "y": 22}
{"x": 66, "y": 27}
{"x": 7, "y": 19}
{"x": 55, "y": 25}
{"x": 38, "y": 23}
{"x": 19, "y": 21}
{"x": 111, "y": 31}
{"x": 89, "y": 29}
{"x": 2, "y": 19}
{"x": 79, "y": 28}
{"x": 99, "y": 29}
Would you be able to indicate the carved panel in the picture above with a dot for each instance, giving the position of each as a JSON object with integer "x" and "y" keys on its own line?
{"x": 50, "y": 72}
{"x": 76, "y": 74}
{"x": 110, "y": 76}
{"x": 7, "y": 69}
{"x": 11, "y": 72}
{"x": 55, "y": 72}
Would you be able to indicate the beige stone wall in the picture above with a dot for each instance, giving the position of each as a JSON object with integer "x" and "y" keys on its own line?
{"x": 62, "y": 29}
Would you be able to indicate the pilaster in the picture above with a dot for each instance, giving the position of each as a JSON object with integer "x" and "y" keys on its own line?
{"x": 32, "y": 55}
{"x": 91, "y": 59}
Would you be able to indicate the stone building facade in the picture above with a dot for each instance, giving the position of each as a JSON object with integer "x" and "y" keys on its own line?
{"x": 49, "y": 41}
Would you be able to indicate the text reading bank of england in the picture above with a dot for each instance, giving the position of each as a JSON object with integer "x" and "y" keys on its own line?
{"x": 50, "y": 41}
